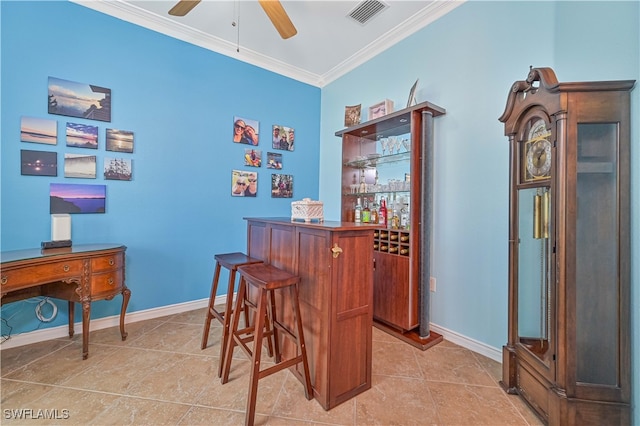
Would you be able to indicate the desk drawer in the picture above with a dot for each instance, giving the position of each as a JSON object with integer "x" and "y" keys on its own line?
{"x": 106, "y": 283}
{"x": 107, "y": 263}
{"x": 14, "y": 279}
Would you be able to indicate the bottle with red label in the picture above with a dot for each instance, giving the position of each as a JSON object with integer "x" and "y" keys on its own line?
{"x": 382, "y": 214}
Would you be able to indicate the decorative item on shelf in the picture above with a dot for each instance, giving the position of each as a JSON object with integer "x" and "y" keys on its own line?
{"x": 352, "y": 115}
{"x": 307, "y": 210}
{"x": 412, "y": 95}
{"x": 380, "y": 109}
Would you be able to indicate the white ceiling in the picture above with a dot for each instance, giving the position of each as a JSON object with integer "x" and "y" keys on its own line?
{"x": 329, "y": 43}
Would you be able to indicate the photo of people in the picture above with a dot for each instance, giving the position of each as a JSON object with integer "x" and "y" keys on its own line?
{"x": 281, "y": 186}
{"x": 244, "y": 184}
{"x": 246, "y": 131}
{"x": 252, "y": 157}
{"x": 283, "y": 138}
{"x": 274, "y": 160}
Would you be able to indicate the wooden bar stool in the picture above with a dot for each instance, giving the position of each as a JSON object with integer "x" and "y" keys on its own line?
{"x": 265, "y": 279}
{"x": 230, "y": 261}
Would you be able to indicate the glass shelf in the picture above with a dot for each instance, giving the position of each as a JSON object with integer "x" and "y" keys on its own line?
{"x": 363, "y": 163}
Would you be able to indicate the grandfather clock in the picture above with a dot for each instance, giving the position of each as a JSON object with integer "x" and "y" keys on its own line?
{"x": 568, "y": 352}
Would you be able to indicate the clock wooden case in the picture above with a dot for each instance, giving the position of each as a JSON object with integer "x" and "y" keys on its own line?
{"x": 568, "y": 352}
{"x": 392, "y": 157}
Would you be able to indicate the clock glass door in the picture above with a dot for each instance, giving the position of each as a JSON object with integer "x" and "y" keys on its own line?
{"x": 598, "y": 290}
{"x": 534, "y": 281}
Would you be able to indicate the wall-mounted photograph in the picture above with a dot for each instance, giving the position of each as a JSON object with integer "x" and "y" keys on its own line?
{"x": 77, "y": 198}
{"x": 252, "y": 157}
{"x": 252, "y": 185}
{"x": 283, "y": 137}
{"x": 274, "y": 160}
{"x": 118, "y": 168}
{"x": 239, "y": 182}
{"x": 119, "y": 140}
{"x": 82, "y": 136}
{"x": 352, "y": 115}
{"x": 246, "y": 130}
{"x": 281, "y": 186}
{"x": 79, "y": 166}
{"x": 38, "y": 163}
{"x": 38, "y": 130}
{"x": 79, "y": 100}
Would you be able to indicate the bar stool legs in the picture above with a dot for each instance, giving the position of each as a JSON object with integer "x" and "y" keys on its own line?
{"x": 266, "y": 279}
{"x": 231, "y": 261}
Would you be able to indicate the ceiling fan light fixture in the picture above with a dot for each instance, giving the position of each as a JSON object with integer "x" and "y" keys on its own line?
{"x": 366, "y": 10}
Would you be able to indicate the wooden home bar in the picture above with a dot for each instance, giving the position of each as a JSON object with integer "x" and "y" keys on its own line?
{"x": 334, "y": 261}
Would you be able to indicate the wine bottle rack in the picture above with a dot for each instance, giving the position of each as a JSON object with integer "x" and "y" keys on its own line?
{"x": 392, "y": 241}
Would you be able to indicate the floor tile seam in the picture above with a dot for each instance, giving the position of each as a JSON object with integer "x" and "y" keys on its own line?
{"x": 397, "y": 376}
{"x": 518, "y": 409}
{"x": 37, "y": 359}
{"x": 141, "y": 348}
{"x": 101, "y": 392}
{"x": 463, "y": 384}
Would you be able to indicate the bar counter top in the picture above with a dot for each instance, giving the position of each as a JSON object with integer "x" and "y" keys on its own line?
{"x": 331, "y": 225}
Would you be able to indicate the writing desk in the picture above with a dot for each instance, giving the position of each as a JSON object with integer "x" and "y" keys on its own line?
{"x": 82, "y": 273}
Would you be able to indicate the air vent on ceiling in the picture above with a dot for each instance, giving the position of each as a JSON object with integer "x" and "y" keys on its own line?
{"x": 366, "y": 10}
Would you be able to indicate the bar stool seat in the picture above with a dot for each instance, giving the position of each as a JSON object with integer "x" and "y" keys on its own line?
{"x": 231, "y": 262}
{"x": 266, "y": 279}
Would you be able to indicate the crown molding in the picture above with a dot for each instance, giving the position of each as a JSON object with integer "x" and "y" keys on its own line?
{"x": 138, "y": 16}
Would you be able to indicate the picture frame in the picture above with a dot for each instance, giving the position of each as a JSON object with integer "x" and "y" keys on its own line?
{"x": 281, "y": 186}
{"x": 38, "y": 163}
{"x": 79, "y": 100}
{"x": 274, "y": 160}
{"x": 119, "y": 140}
{"x": 77, "y": 198}
{"x": 244, "y": 183}
{"x": 246, "y": 131}
{"x": 352, "y": 115}
{"x": 79, "y": 166}
{"x": 252, "y": 157}
{"x": 118, "y": 168}
{"x": 82, "y": 136}
{"x": 380, "y": 109}
{"x": 282, "y": 137}
{"x": 38, "y": 130}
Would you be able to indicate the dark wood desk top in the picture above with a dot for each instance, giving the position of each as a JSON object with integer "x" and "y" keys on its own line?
{"x": 36, "y": 253}
{"x": 330, "y": 225}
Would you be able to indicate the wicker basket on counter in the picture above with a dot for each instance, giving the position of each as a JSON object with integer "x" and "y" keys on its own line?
{"x": 307, "y": 210}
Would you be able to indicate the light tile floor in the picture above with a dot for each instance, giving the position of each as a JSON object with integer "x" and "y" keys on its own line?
{"x": 160, "y": 376}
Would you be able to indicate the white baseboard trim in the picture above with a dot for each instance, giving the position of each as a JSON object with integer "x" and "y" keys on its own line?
{"x": 100, "y": 323}
{"x": 147, "y": 314}
{"x": 469, "y": 343}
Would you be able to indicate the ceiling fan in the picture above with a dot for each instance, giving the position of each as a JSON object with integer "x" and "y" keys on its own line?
{"x": 272, "y": 8}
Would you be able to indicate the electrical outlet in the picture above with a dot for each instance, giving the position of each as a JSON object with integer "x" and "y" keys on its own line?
{"x": 432, "y": 284}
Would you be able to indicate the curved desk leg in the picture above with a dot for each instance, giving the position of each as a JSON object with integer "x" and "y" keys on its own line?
{"x": 86, "y": 314}
{"x": 126, "y": 294}
{"x": 72, "y": 307}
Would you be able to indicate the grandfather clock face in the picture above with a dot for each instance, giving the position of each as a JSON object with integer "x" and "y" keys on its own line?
{"x": 536, "y": 151}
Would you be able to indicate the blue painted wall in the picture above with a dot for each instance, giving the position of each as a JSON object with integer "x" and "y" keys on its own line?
{"x": 179, "y": 100}
{"x": 466, "y": 62}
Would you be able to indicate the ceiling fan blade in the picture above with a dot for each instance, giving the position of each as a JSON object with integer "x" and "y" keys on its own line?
{"x": 279, "y": 18}
{"x": 183, "y": 7}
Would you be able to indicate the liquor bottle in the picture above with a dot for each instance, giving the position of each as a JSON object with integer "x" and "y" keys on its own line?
{"x": 395, "y": 218}
{"x": 358, "y": 211}
{"x": 404, "y": 217}
{"x": 374, "y": 212}
{"x": 366, "y": 212}
{"x": 404, "y": 251}
{"x": 382, "y": 215}
{"x": 393, "y": 249}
